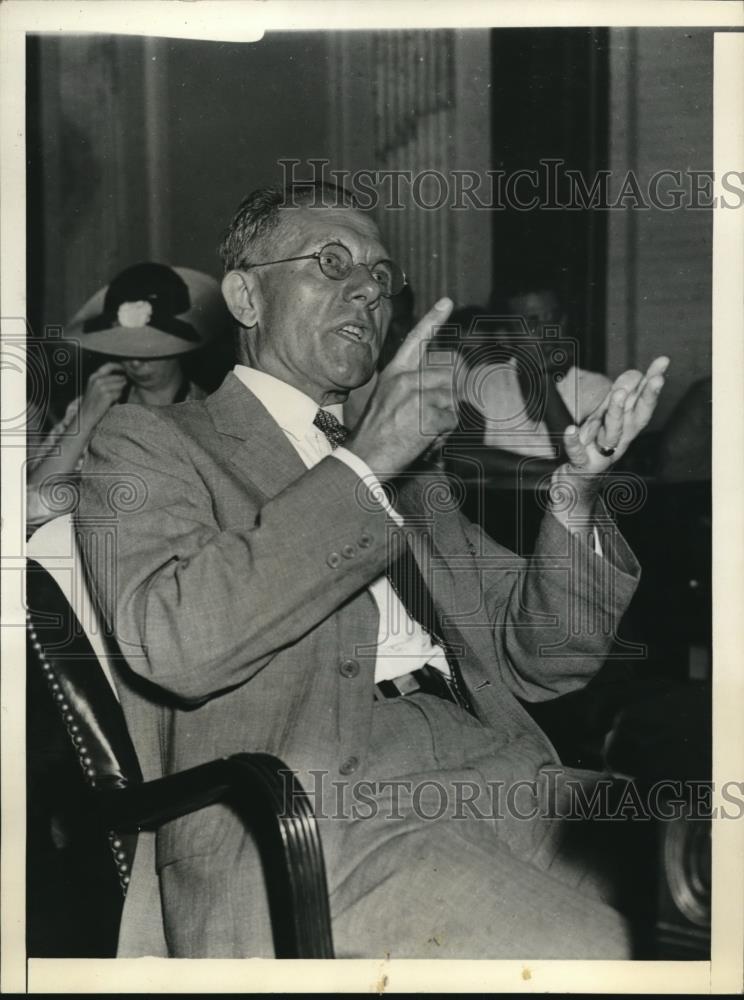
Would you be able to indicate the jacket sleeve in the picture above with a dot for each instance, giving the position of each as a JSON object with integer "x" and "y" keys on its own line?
{"x": 555, "y": 616}
{"x": 196, "y": 609}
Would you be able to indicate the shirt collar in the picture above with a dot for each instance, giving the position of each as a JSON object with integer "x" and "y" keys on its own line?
{"x": 292, "y": 409}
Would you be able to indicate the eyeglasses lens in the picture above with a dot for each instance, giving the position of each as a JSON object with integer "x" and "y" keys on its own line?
{"x": 336, "y": 263}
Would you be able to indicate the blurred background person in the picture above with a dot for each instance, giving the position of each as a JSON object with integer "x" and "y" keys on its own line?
{"x": 143, "y": 324}
{"x": 530, "y": 386}
{"x": 519, "y": 386}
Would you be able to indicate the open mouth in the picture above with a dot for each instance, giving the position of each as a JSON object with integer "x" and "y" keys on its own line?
{"x": 354, "y": 333}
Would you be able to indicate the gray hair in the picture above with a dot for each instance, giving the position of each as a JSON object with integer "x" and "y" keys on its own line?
{"x": 257, "y": 217}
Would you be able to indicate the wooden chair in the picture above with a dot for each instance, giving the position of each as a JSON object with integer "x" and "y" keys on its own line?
{"x": 75, "y": 664}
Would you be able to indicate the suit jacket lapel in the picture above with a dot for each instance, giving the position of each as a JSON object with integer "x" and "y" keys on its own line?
{"x": 261, "y": 450}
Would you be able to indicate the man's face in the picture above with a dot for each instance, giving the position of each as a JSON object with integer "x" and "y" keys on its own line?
{"x": 539, "y": 308}
{"x": 320, "y": 335}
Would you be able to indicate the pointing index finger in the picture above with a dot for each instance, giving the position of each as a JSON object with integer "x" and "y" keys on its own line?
{"x": 409, "y": 353}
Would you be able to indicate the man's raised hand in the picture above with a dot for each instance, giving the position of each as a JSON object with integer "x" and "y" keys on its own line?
{"x": 617, "y": 421}
{"x": 412, "y": 406}
{"x": 602, "y": 439}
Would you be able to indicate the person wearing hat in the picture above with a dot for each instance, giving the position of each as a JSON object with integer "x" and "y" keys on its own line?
{"x": 146, "y": 321}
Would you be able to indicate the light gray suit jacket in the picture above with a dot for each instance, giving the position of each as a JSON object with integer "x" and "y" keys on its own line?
{"x": 236, "y": 582}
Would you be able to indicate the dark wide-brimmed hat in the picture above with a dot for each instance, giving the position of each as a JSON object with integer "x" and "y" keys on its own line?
{"x": 151, "y": 311}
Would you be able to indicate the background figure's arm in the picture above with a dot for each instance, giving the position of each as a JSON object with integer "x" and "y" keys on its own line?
{"x": 59, "y": 440}
{"x": 196, "y": 609}
{"x": 60, "y": 452}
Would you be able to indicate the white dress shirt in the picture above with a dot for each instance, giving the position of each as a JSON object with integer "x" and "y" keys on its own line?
{"x": 402, "y": 644}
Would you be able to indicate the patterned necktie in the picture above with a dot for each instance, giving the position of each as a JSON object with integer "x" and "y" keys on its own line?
{"x": 333, "y": 429}
{"x": 405, "y": 576}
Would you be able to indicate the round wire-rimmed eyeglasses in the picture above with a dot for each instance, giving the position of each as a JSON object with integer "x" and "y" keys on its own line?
{"x": 335, "y": 262}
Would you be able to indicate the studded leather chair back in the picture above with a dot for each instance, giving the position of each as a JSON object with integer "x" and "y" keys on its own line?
{"x": 87, "y": 705}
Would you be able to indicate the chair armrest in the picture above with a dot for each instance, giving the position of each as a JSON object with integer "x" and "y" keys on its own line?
{"x": 270, "y": 799}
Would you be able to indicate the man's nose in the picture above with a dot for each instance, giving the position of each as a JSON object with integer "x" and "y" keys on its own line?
{"x": 360, "y": 284}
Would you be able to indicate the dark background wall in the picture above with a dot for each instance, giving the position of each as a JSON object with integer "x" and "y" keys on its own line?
{"x": 240, "y": 109}
{"x": 550, "y": 92}
{"x": 659, "y": 263}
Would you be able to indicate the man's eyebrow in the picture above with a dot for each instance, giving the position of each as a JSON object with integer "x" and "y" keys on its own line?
{"x": 332, "y": 239}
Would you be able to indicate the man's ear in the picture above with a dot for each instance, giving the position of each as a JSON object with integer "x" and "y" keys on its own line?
{"x": 240, "y": 293}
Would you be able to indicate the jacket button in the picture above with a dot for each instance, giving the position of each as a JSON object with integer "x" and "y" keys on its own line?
{"x": 348, "y": 551}
{"x": 349, "y": 765}
{"x": 334, "y": 560}
{"x": 349, "y": 668}
{"x": 365, "y": 541}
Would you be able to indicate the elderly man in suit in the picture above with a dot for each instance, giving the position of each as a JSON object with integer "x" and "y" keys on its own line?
{"x": 283, "y": 587}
